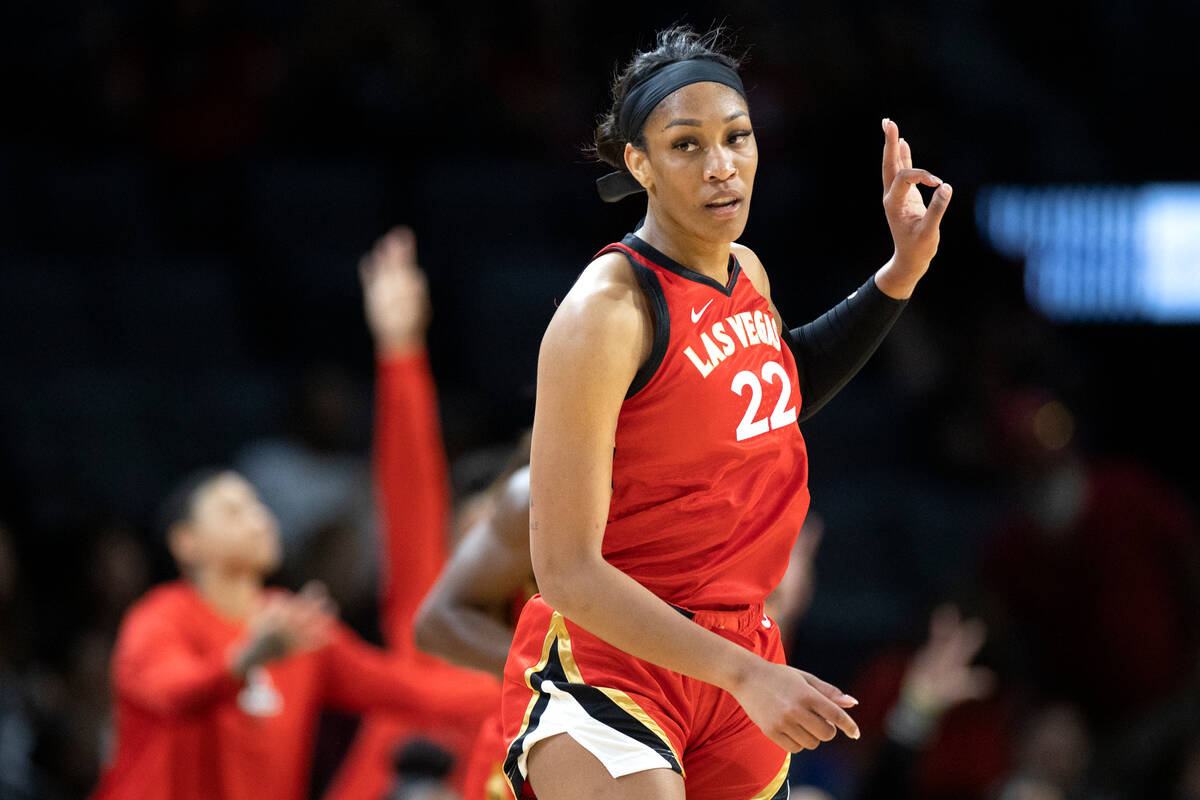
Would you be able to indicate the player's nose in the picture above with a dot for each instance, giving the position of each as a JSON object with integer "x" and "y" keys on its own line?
{"x": 719, "y": 166}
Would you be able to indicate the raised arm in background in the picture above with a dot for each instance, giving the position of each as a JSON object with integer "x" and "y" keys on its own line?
{"x": 409, "y": 459}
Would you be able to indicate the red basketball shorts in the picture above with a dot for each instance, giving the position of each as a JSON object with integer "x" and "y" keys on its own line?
{"x": 633, "y": 715}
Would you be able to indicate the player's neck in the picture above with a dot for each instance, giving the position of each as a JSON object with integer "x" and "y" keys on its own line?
{"x": 232, "y": 594}
{"x": 708, "y": 258}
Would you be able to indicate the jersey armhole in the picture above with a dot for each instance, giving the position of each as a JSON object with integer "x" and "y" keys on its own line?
{"x": 652, "y": 289}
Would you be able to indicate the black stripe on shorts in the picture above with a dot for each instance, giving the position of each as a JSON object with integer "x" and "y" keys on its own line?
{"x": 599, "y": 707}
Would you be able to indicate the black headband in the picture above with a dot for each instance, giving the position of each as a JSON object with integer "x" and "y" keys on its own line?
{"x": 641, "y": 100}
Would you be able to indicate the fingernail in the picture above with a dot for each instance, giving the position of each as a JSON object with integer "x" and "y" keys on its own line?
{"x": 885, "y": 122}
{"x": 857, "y": 734}
{"x": 945, "y": 189}
{"x": 848, "y": 699}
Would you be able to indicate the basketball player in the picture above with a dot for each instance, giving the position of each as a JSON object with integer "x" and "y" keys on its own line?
{"x": 219, "y": 681}
{"x": 668, "y": 476}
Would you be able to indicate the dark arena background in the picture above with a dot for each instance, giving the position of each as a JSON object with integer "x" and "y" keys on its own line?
{"x": 186, "y": 187}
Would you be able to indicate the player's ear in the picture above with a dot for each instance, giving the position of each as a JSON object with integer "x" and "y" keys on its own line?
{"x": 638, "y": 163}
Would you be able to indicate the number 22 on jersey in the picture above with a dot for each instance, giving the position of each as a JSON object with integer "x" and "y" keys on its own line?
{"x": 782, "y": 415}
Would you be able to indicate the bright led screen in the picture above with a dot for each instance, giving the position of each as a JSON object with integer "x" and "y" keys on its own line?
{"x": 1101, "y": 253}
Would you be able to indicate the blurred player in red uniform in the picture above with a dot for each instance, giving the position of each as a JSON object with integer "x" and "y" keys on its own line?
{"x": 668, "y": 477}
{"x": 413, "y": 486}
{"x": 219, "y": 681}
{"x": 469, "y": 616}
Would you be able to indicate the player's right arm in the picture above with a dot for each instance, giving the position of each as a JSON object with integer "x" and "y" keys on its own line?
{"x": 463, "y": 619}
{"x": 592, "y": 349}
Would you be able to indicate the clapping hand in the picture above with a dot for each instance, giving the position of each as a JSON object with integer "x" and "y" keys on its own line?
{"x": 286, "y": 623}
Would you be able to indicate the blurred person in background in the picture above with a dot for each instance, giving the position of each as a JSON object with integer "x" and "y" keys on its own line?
{"x": 118, "y": 574}
{"x": 71, "y": 691}
{"x": 935, "y": 725}
{"x": 316, "y": 480}
{"x": 1054, "y": 759}
{"x": 413, "y": 488}
{"x": 1095, "y": 573}
{"x": 55, "y": 715}
{"x": 218, "y": 680}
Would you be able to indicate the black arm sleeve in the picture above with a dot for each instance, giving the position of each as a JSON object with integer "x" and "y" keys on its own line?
{"x": 831, "y": 349}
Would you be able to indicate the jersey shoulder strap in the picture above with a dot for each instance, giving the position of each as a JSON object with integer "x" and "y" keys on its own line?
{"x": 652, "y": 288}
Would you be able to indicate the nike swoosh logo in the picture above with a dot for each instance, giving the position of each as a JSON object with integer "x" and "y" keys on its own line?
{"x": 697, "y": 314}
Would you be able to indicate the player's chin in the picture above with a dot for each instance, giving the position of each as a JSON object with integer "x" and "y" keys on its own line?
{"x": 727, "y": 228}
{"x": 266, "y": 559}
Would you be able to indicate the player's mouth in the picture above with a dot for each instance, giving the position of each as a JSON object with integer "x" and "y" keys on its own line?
{"x": 725, "y": 205}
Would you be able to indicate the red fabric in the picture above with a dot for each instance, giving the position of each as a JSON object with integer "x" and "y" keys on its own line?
{"x": 411, "y": 477}
{"x": 700, "y": 518}
{"x": 724, "y": 755}
{"x": 413, "y": 490}
{"x": 484, "y": 778}
{"x": 186, "y": 728}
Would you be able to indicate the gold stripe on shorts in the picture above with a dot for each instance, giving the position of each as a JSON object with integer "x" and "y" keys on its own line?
{"x": 772, "y": 788}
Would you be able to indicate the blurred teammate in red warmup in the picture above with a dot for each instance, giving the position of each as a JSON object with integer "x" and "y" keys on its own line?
{"x": 411, "y": 476}
{"x": 219, "y": 681}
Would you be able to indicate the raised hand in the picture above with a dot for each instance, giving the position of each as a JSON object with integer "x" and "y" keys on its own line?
{"x": 795, "y": 709}
{"x": 915, "y": 228}
{"x": 940, "y": 675}
{"x": 395, "y": 294}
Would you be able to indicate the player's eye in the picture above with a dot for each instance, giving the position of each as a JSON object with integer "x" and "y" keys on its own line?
{"x": 686, "y": 145}
{"x": 739, "y": 137}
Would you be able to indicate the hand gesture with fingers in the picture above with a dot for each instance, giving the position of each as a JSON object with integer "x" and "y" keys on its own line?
{"x": 915, "y": 228}
{"x": 795, "y": 709}
{"x": 940, "y": 675}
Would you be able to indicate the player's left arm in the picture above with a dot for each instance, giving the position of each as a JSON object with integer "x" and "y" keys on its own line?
{"x": 831, "y": 349}
{"x": 358, "y": 677}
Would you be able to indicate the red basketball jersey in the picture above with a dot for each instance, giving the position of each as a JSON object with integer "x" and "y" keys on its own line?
{"x": 710, "y": 471}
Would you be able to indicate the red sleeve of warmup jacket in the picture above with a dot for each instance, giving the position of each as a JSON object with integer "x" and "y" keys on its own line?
{"x": 412, "y": 480}
{"x": 361, "y": 677}
{"x": 155, "y": 669}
